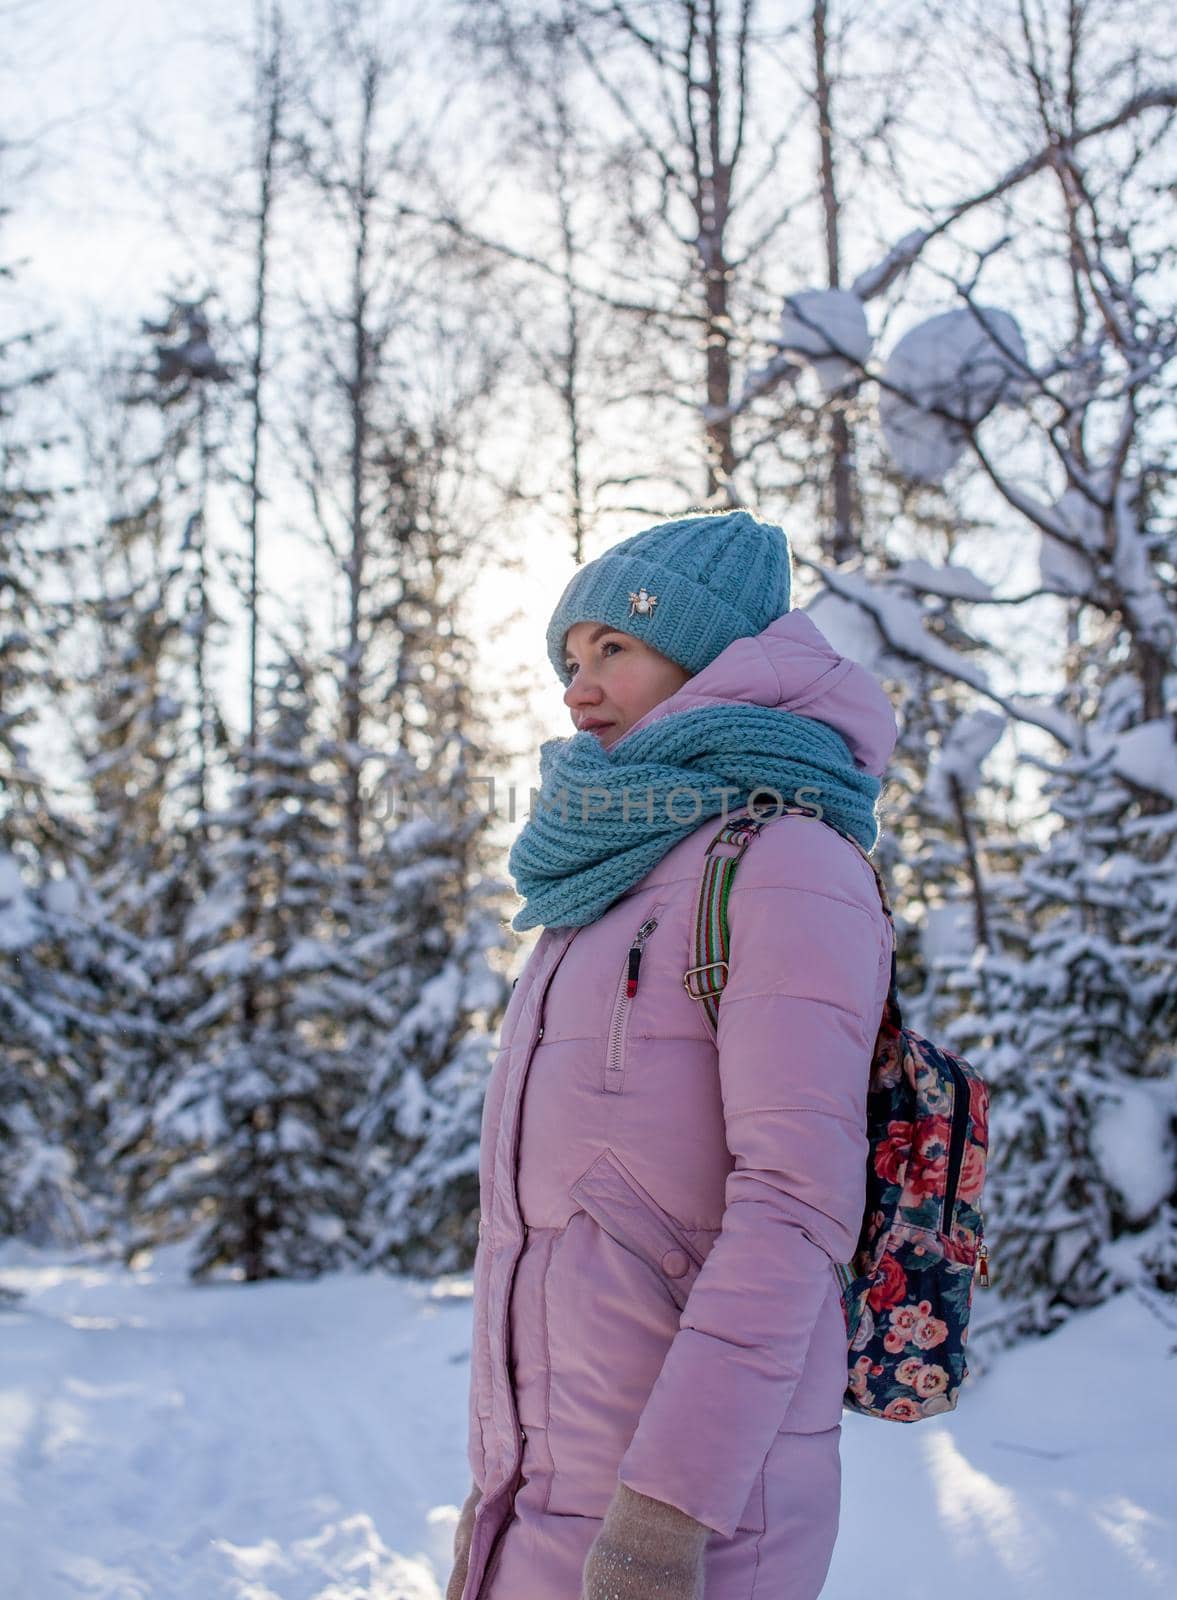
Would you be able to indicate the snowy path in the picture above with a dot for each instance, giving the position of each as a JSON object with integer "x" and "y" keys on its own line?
{"x": 159, "y": 1442}
{"x": 307, "y": 1442}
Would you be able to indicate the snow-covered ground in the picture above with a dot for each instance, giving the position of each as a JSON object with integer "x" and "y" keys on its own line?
{"x": 307, "y": 1442}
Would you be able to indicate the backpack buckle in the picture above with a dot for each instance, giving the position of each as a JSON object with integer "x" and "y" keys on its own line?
{"x": 703, "y": 994}
{"x": 739, "y": 834}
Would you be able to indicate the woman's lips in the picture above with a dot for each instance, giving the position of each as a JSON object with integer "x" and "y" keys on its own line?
{"x": 594, "y": 727}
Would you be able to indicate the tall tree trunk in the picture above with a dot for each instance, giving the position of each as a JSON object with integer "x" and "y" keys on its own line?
{"x": 840, "y": 539}
{"x": 712, "y": 202}
{"x": 269, "y": 72}
{"x": 201, "y": 603}
{"x": 570, "y": 389}
{"x": 359, "y": 387}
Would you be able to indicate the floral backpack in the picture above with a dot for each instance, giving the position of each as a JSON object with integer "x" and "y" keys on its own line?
{"x": 907, "y": 1292}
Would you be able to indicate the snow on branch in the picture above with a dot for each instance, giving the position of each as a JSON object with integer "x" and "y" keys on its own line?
{"x": 899, "y": 620}
{"x": 944, "y": 377}
{"x": 828, "y": 328}
{"x": 875, "y": 280}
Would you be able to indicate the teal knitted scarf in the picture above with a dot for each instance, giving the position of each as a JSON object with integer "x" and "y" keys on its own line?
{"x": 605, "y": 817}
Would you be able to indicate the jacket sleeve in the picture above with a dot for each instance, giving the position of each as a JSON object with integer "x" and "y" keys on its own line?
{"x": 797, "y": 1026}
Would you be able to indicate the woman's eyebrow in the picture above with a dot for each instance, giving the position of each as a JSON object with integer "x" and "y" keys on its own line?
{"x": 597, "y": 632}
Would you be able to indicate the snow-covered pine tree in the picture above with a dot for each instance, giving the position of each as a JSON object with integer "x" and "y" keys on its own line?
{"x": 252, "y": 1133}
{"x": 72, "y": 998}
{"x": 388, "y": 468}
{"x": 145, "y": 725}
{"x": 187, "y": 388}
{"x": 1077, "y": 1016}
{"x": 1078, "y": 1044}
{"x": 51, "y": 993}
{"x": 427, "y": 928}
{"x": 1071, "y": 1011}
{"x": 937, "y": 806}
{"x": 442, "y": 993}
{"x": 144, "y": 866}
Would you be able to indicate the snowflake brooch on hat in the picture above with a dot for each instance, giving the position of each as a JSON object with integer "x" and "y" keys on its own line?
{"x": 642, "y": 603}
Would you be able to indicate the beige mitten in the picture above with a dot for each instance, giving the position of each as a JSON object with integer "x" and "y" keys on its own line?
{"x": 462, "y": 1536}
{"x": 646, "y": 1550}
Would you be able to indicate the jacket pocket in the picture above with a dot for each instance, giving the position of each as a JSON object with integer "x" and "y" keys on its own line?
{"x": 624, "y": 996}
{"x": 616, "y": 1201}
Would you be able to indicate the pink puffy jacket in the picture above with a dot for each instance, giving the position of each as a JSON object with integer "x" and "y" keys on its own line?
{"x": 654, "y": 1295}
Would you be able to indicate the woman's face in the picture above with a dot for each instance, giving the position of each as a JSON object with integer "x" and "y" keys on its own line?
{"x": 616, "y": 679}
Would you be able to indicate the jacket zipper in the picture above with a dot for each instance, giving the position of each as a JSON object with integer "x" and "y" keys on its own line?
{"x": 625, "y": 993}
{"x": 504, "y": 1326}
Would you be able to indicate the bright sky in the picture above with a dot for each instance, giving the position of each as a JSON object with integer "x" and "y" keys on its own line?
{"x": 87, "y": 84}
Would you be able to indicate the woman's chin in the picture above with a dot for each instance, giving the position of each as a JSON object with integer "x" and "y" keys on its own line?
{"x": 605, "y": 736}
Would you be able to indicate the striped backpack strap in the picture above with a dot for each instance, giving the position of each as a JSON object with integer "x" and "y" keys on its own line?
{"x": 709, "y": 942}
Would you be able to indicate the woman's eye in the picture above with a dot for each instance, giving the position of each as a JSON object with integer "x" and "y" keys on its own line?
{"x": 610, "y": 644}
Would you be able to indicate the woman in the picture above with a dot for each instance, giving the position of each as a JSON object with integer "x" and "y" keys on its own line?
{"x": 659, "y": 1351}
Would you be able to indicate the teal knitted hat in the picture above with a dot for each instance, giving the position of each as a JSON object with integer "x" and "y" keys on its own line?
{"x": 688, "y": 587}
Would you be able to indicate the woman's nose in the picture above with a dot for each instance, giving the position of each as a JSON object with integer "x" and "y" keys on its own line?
{"x": 581, "y": 691}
